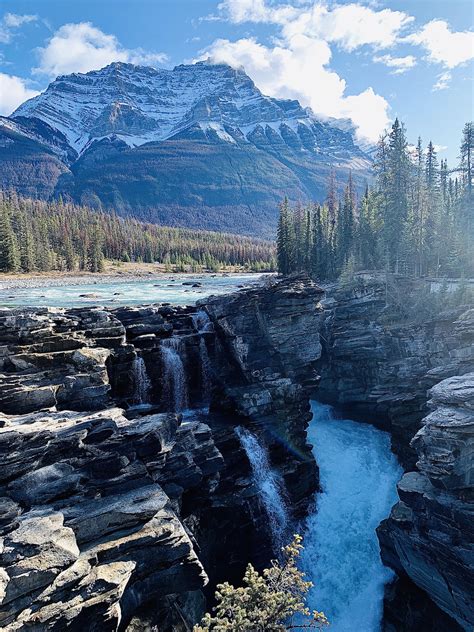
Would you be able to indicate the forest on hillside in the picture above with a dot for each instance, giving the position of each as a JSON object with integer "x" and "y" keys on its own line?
{"x": 42, "y": 236}
{"x": 417, "y": 218}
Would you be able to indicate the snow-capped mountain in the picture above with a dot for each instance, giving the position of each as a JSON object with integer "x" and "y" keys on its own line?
{"x": 145, "y": 116}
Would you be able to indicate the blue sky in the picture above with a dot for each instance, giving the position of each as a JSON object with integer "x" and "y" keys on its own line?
{"x": 368, "y": 61}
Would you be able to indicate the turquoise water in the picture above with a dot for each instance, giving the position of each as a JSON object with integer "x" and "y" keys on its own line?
{"x": 358, "y": 475}
{"x": 168, "y": 289}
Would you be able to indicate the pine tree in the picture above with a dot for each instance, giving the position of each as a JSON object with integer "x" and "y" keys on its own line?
{"x": 9, "y": 252}
{"x": 346, "y": 224}
{"x": 433, "y": 221}
{"x": 467, "y": 157}
{"x": 285, "y": 240}
{"x": 273, "y": 600}
{"x": 95, "y": 258}
{"x": 26, "y": 242}
{"x": 366, "y": 233}
{"x": 396, "y": 208}
{"x": 466, "y": 165}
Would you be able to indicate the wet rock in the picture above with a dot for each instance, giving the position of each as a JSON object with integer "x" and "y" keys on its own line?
{"x": 268, "y": 344}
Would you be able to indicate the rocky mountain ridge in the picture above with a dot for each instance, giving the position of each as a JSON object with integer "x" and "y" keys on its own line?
{"x": 140, "y": 104}
{"x": 199, "y": 138}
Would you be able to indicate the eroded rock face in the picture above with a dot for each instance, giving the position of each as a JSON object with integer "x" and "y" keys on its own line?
{"x": 379, "y": 366}
{"x": 51, "y": 357}
{"x": 137, "y": 510}
{"x": 116, "y": 517}
{"x": 268, "y": 343}
{"x": 429, "y": 535}
{"x": 94, "y": 534}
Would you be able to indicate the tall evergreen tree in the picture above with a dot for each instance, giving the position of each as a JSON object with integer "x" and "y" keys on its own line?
{"x": 285, "y": 239}
{"x": 9, "y": 252}
{"x": 396, "y": 207}
{"x": 467, "y": 156}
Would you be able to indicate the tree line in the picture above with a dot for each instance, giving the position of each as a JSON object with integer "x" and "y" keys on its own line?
{"x": 417, "y": 218}
{"x": 43, "y": 236}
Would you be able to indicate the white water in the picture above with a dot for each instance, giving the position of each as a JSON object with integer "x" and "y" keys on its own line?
{"x": 202, "y": 323}
{"x": 358, "y": 475}
{"x": 142, "y": 381}
{"x": 270, "y": 486}
{"x": 175, "y": 390}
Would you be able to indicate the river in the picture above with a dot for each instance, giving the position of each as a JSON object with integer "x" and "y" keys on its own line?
{"x": 175, "y": 289}
{"x": 358, "y": 476}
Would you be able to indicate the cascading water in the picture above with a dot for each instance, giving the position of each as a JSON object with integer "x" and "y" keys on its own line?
{"x": 175, "y": 391}
{"x": 270, "y": 486}
{"x": 142, "y": 381}
{"x": 205, "y": 369}
{"x": 358, "y": 475}
{"x": 202, "y": 324}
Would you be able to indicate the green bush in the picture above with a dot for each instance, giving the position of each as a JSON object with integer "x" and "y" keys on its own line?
{"x": 273, "y": 601}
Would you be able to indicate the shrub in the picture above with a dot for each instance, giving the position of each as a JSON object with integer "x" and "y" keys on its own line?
{"x": 273, "y": 601}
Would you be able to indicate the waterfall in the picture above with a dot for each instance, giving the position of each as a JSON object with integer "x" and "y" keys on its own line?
{"x": 270, "y": 486}
{"x": 142, "y": 381}
{"x": 358, "y": 475}
{"x": 205, "y": 369}
{"x": 175, "y": 391}
{"x": 202, "y": 323}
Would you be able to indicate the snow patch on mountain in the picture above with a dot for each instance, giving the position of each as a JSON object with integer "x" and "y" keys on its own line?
{"x": 139, "y": 104}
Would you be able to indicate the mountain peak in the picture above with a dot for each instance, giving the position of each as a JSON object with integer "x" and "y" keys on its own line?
{"x": 172, "y": 142}
{"x": 141, "y": 104}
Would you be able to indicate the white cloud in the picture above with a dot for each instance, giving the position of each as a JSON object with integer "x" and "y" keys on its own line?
{"x": 82, "y": 47}
{"x": 297, "y": 65}
{"x": 298, "y": 69}
{"x": 351, "y": 26}
{"x": 348, "y": 25}
{"x": 400, "y": 64}
{"x": 442, "y": 82}
{"x": 13, "y": 92}
{"x": 239, "y": 11}
{"x": 444, "y": 46}
{"x": 11, "y": 21}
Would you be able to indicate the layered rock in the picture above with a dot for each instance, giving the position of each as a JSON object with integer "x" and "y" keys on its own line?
{"x": 94, "y": 503}
{"x": 429, "y": 535}
{"x": 122, "y": 517}
{"x": 51, "y": 357}
{"x": 117, "y": 518}
{"x": 267, "y": 348}
{"x": 379, "y": 359}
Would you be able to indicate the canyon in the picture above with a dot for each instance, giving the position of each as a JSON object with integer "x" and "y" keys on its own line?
{"x": 130, "y": 439}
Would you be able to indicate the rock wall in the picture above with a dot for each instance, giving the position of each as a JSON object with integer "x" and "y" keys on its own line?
{"x": 267, "y": 347}
{"x": 90, "y": 524}
{"x": 116, "y": 513}
{"x": 392, "y": 370}
{"x": 379, "y": 365}
{"x": 429, "y": 535}
{"x": 120, "y": 513}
